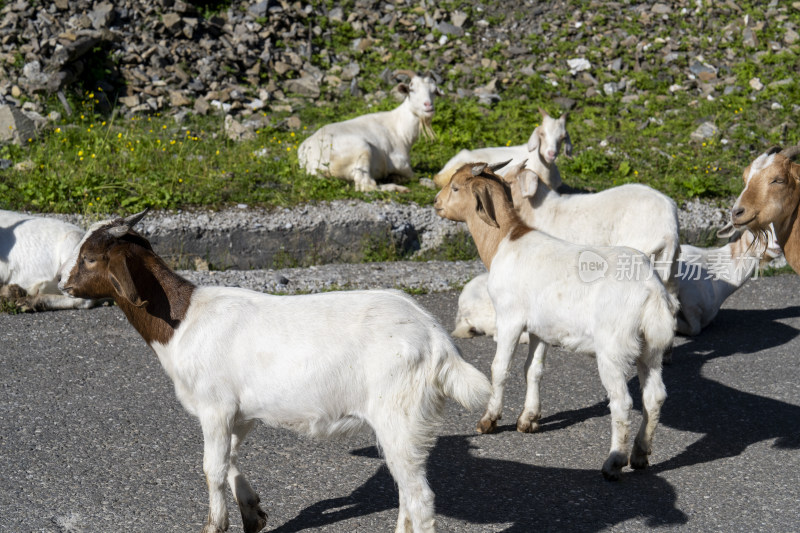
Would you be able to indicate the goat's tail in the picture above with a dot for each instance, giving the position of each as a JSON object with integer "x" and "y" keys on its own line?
{"x": 659, "y": 319}
{"x": 461, "y": 381}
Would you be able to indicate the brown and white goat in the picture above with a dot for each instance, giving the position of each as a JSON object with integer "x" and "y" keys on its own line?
{"x": 603, "y": 301}
{"x": 771, "y": 195}
{"x": 320, "y": 364}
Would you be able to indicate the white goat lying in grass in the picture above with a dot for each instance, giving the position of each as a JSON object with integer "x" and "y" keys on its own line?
{"x": 708, "y": 276}
{"x": 540, "y": 284}
{"x": 319, "y": 364}
{"x": 538, "y": 155}
{"x": 373, "y": 146}
{"x": 31, "y": 251}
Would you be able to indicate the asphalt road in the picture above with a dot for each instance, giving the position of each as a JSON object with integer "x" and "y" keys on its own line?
{"x": 92, "y": 439}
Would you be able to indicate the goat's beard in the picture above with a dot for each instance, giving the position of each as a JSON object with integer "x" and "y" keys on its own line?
{"x": 425, "y": 128}
{"x": 760, "y": 242}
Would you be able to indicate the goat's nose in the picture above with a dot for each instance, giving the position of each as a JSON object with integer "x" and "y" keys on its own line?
{"x": 737, "y": 212}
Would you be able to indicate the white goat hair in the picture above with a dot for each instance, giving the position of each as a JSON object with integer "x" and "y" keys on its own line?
{"x": 31, "y": 251}
{"x": 540, "y": 284}
{"x": 373, "y": 146}
{"x": 475, "y": 315}
{"x": 539, "y": 154}
{"x": 319, "y": 364}
{"x": 708, "y": 276}
{"x": 632, "y": 215}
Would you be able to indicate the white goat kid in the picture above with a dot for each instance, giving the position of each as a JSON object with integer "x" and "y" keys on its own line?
{"x": 708, "y": 276}
{"x": 31, "y": 251}
{"x": 318, "y": 364}
{"x": 771, "y": 196}
{"x": 373, "y": 146}
{"x": 537, "y": 283}
{"x": 538, "y": 155}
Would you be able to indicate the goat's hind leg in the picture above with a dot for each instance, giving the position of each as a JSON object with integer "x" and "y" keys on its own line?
{"x": 254, "y": 518}
{"x": 405, "y": 448}
{"x": 620, "y": 403}
{"x": 653, "y": 395}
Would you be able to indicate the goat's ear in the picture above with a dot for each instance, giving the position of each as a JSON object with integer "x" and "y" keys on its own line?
{"x": 727, "y": 231}
{"x": 402, "y": 88}
{"x": 528, "y": 183}
{"x": 438, "y": 92}
{"x": 484, "y": 205}
{"x": 567, "y": 145}
{"x": 121, "y": 280}
{"x": 478, "y": 168}
{"x": 533, "y": 142}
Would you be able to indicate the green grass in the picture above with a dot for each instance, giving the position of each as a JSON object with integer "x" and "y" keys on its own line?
{"x": 98, "y": 163}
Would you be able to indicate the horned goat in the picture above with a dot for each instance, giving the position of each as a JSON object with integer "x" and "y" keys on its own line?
{"x": 320, "y": 364}
{"x": 708, "y": 276}
{"x": 373, "y": 146}
{"x": 540, "y": 152}
{"x": 771, "y": 196}
{"x": 31, "y": 251}
{"x": 600, "y": 301}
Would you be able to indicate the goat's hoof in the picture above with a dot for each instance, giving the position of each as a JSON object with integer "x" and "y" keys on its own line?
{"x": 639, "y": 458}
{"x": 486, "y": 425}
{"x": 612, "y": 468}
{"x": 255, "y": 524}
{"x": 528, "y": 426}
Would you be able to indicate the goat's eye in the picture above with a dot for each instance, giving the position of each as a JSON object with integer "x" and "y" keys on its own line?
{"x": 454, "y": 189}
{"x": 89, "y": 260}
{"x": 778, "y": 180}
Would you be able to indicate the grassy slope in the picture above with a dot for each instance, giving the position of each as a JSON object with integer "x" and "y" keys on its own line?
{"x": 92, "y": 163}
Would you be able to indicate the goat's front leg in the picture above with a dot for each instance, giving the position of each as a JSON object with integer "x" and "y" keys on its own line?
{"x": 254, "y": 518}
{"x": 216, "y": 460}
{"x": 620, "y": 403}
{"x": 507, "y": 337}
{"x": 528, "y": 420}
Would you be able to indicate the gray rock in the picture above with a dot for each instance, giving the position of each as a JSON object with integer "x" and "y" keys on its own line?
{"x": 102, "y": 15}
{"x": 450, "y": 29}
{"x": 305, "y": 86}
{"x": 705, "y": 131}
{"x": 15, "y": 127}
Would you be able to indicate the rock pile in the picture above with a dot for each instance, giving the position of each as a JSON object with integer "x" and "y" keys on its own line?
{"x": 179, "y": 56}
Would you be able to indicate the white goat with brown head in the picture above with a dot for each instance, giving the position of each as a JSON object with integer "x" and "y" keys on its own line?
{"x": 771, "y": 195}
{"x": 320, "y": 364}
{"x": 371, "y": 147}
{"x": 538, "y": 283}
{"x": 538, "y": 154}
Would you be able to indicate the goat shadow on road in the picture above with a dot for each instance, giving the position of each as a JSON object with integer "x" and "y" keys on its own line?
{"x": 516, "y": 496}
{"x": 729, "y": 419}
{"x": 494, "y": 491}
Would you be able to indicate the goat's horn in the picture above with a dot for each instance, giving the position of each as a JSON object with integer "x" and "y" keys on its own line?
{"x": 409, "y": 73}
{"x": 791, "y": 153}
{"x": 120, "y": 229}
{"x": 497, "y": 166}
{"x": 477, "y": 169}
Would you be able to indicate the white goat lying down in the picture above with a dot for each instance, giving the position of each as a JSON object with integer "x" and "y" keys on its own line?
{"x": 373, "y": 146}
{"x": 538, "y": 155}
{"x": 31, "y": 251}
{"x": 771, "y": 197}
{"x": 559, "y": 293}
{"x": 319, "y": 364}
{"x": 708, "y": 276}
